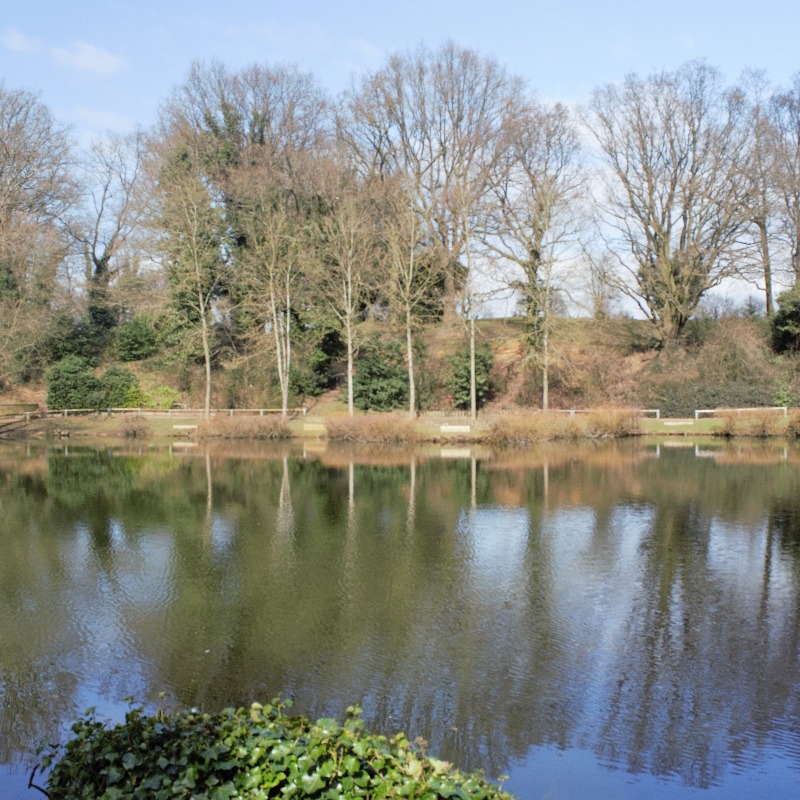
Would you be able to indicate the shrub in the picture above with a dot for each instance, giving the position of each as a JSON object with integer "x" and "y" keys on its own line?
{"x": 383, "y": 429}
{"x": 314, "y": 373}
{"x": 136, "y": 339}
{"x": 786, "y": 322}
{"x": 761, "y": 424}
{"x": 545, "y": 426}
{"x": 271, "y": 427}
{"x": 161, "y": 397}
{"x": 680, "y": 398}
{"x": 532, "y": 428}
{"x": 612, "y": 422}
{"x": 120, "y": 388}
{"x": 72, "y": 384}
{"x": 256, "y": 752}
{"x": 459, "y": 383}
{"x": 134, "y": 426}
{"x": 381, "y": 381}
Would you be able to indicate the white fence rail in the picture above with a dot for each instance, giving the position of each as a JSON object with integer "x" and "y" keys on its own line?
{"x": 713, "y": 411}
{"x": 175, "y": 412}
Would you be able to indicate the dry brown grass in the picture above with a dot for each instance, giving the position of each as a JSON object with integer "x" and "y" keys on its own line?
{"x": 272, "y": 427}
{"x": 382, "y": 428}
{"x": 762, "y": 424}
{"x": 544, "y": 427}
{"x": 531, "y": 429}
{"x": 612, "y": 422}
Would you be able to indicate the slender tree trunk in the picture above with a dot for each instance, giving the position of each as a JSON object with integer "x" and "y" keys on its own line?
{"x": 287, "y": 345}
{"x": 206, "y": 352}
{"x": 350, "y": 359}
{"x": 545, "y": 373}
{"x": 766, "y": 264}
{"x": 281, "y": 329}
{"x": 412, "y": 386}
{"x": 473, "y": 383}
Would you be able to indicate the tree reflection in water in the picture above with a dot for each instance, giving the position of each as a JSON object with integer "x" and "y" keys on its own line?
{"x": 636, "y": 602}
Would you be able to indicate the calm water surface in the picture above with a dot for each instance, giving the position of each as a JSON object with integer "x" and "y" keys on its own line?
{"x": 617, "y": 621}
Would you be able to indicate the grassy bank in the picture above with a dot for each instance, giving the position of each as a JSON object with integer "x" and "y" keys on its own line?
{"x": 495, "y": 429}
{"x": 724, "y": 362}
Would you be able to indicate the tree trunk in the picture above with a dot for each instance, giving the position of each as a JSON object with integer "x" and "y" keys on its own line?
{"x": 349, "y": 335}
{"x": 412, "y": 386}
{"x": 766, "y": 264}
{"x": 206, "y": 355}
{"x": 545, "y": 373}
{"x": 473, "y": 384}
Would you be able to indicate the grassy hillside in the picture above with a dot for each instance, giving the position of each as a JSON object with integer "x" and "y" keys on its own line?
{"x": 719, "y": 363}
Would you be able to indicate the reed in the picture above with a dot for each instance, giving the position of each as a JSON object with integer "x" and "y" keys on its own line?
{"x": 529, "y": 429}
{"x": 383, "y": 428}
{"x": 612, "y": 422}
{"x": 540, "y": 426}
{"x": 793, "y": 425}
{"x": 272, "y": 427}
{"x": 759, "y": 424}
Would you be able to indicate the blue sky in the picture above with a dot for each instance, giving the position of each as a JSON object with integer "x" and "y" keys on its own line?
{"x": 108, "y": 64}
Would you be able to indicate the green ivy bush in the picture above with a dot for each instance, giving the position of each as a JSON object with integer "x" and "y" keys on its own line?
{"x": 254, "y": 753}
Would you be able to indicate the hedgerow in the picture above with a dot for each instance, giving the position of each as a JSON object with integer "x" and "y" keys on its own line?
{"x": 254, "y": 753}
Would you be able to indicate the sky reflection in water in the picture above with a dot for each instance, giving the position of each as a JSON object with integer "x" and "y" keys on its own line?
{"x": 615, "y": 621}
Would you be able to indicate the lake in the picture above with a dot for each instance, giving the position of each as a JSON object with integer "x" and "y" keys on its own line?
{"x": 592, "y": 620}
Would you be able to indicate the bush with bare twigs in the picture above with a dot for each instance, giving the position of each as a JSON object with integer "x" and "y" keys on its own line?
{"x": 544, "y": 427}
{"x": 612, "y": 422}
{"x": 373, "y": 428}
{"x": 134, "y": 426}
{"x": 244, "y": 428}
{"x": 531, "y": 429}
{"x": 755, "y": 423}
{"x": 793, "y": 425}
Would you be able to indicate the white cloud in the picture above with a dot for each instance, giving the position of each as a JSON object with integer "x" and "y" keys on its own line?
{"x": 18, "y": 42}
{"x": 371, "y": 53}
{"x": 78, "y": 55}
{"x": 94, "y": 123}
{"x": 88, "y": 58}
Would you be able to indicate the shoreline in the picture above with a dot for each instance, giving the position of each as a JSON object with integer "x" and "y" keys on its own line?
{"x": 493, "y": 428}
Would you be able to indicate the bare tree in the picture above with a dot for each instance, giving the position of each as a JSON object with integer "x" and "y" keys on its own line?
{"x": 534, "y": 220}
{"x": 192, "y": 241}
{"x": 757, "y": 171}
{"x": 262, "y": 117}
{"x": 111, "y": 218}
{"x": 433, "y": 120}
{"x": 260, "y": 131}
{"x": 412, "y": 277}
{"x": 672, "y": 144}
{"x": 346, "y": 236}
{"x": 36, "y": 191}
{"x": 784, "y": 119}
{"x": 270, "y": 268}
